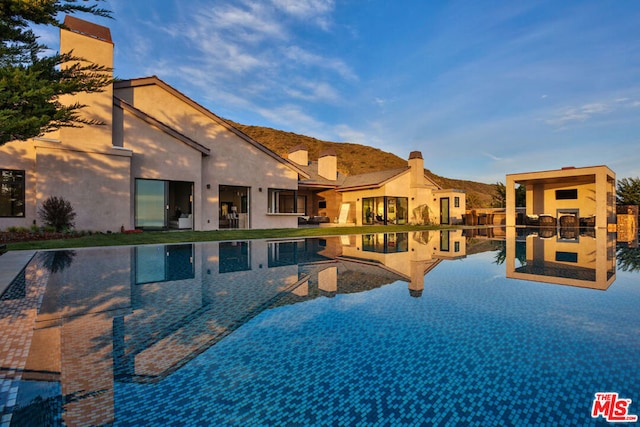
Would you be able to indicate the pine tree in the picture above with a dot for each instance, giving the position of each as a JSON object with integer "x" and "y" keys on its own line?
{"x": 31, "y": 83}
{"x": 628, "y": 191}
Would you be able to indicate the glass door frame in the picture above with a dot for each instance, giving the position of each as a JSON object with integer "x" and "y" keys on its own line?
{"x": 445, "y": 217}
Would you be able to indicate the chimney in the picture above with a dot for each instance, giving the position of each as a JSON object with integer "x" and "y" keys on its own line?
{"x": 93, "y": 43}
{"x": 416, "y": 164}
{"x": 299, "y": 155}
{"x": 328, "y": 164}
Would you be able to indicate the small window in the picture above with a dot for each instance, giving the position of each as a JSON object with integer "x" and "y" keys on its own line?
{"x": 12, "y": 184}
{"x": 566, "y": 256}
{"x": 456, "y": 202}
{"x": 322, "y": 204}
{"x": 571, "y": 194}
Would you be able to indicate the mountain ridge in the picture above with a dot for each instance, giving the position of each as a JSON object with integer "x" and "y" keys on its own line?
{"x": 356, "y": 159}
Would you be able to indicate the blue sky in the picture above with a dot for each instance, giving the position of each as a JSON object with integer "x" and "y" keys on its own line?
{"x": 482, "y": 88}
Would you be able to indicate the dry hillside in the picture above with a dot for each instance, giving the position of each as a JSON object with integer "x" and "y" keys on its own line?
{"x": 356, "y": 159}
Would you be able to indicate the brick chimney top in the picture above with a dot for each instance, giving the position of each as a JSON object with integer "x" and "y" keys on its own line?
{"x": 299, "y": 147}
{"x": 327, "y": 152}
{"x": 87, "y": 28}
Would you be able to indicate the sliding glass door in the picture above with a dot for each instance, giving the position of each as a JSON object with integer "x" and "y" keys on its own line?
{"x": 385, "y": 210}
{"x": 151, "y": 203}
{"x": 160, "y": 204}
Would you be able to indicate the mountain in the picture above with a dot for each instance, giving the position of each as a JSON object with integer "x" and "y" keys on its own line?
{"x": 355, "y": 159}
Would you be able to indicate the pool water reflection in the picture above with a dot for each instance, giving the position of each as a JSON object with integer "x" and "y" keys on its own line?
{"x": 436, "y": 327}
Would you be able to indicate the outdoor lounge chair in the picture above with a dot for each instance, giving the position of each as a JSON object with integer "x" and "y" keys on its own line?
{"x": 547, "y": 220}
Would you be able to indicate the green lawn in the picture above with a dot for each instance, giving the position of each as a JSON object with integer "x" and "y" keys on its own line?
{"x": 167, "y": 237}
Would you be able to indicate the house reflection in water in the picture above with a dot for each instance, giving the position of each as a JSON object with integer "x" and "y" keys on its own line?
{"x": 583, "y": 259}
{"x": 138, "y": 314}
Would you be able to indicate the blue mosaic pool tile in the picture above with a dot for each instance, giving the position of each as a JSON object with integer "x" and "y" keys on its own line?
{"x": 469, "y": 351}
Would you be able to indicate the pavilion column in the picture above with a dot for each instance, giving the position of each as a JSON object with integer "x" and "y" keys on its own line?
{"x": 601, "y": 200}
{"x": 510, "y": 193}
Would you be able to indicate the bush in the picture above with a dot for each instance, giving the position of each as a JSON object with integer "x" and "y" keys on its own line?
{"x": 58, "y": 213}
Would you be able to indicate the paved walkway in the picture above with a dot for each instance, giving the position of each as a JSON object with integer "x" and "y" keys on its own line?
{"x": 12, "y": 263}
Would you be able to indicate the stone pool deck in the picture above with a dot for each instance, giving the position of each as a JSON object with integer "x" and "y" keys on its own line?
{"x": 12, "y": 263}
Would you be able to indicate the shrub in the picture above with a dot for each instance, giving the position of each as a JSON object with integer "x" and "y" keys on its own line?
{"x": 58, "y": 213}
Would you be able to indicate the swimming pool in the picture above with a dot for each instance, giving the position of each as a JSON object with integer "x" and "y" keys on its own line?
{"x": 438, "y": 328}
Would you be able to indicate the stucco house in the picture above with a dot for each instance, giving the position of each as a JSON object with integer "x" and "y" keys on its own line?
{"x": 575, "y": 196}
{"x": 160, "y": 160}
{"x": 396, "y": 196}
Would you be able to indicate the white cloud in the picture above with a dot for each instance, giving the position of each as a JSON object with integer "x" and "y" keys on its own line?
{"x": 578, "y": 114}
{"x": 348, "y": 134}
{"x": 291, "y": 117}
{"x": 315, "y": 91}
{"x": 253, "y": 23}
{"x": 492, "y": 156}
{"x": 304, "y": 57}
{"x": 310, "y": 10}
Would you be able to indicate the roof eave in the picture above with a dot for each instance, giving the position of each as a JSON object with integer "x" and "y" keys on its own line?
{"x": 161, "y": 126}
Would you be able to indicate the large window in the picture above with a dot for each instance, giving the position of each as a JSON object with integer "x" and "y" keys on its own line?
{"x": 286, "y": 201}
{"x": 385, "y": 210}
{"x": 11, "y": 193}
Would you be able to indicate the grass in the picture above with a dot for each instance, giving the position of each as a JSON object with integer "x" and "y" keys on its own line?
{"x": 168, "y": 237}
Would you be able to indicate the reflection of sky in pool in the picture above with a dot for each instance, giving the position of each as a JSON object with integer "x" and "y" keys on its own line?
{"x": 332, "y": 333}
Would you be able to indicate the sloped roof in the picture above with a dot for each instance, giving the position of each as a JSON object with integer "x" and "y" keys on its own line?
{"x": 372, "y": 179}
{"x": 154, "y": 80}
{"x": 352, "y": 182}
{"x": 316, "y": 180}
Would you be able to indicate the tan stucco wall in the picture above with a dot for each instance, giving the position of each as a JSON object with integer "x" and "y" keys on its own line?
{"x": 541, "y": 199}
{"x": 232, "y": 161}
{"x": 96, "y": 183}
{"x": 456, "y": 214}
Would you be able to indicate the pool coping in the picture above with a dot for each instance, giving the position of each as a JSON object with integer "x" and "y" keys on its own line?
{"x": 11, "y": 264}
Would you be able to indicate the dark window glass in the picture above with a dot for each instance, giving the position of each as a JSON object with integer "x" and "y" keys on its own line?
{"x": 566, "y": 256}
{"x": 11, "y": 193}
{"x": 567, "y": 194}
